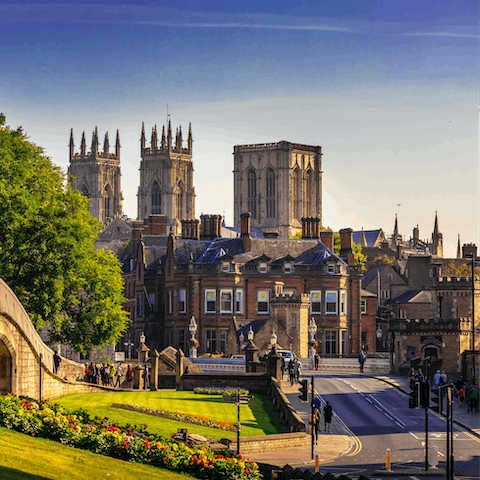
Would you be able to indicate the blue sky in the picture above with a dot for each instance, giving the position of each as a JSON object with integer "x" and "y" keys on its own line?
{"x": 388, "y": 89}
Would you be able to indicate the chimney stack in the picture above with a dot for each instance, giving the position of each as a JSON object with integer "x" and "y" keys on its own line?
{"x": 327, "y": 239}
{"x": 245, "y": 230}
{"x": 346, "y": 245}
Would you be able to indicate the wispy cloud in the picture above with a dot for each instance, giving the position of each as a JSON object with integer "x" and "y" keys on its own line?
{"x": 443, "y": 34}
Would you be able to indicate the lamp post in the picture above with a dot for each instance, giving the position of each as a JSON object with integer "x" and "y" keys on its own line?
{"x": 192, "y": 328}
{"x": 379, "y": 334}
{"x": 241, "y": 340}
{"x": 273, "y": 342}
{"x": 312, "y": 329}
{"x": 250, "y": 334}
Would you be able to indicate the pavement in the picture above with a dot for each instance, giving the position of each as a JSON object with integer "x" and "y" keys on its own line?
{"x": 341, "y": 441}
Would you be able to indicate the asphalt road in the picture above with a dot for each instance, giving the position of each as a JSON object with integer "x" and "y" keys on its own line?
{"x": 379, "y": 419}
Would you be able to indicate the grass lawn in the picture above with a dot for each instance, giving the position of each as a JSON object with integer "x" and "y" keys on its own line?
{"x": 27, "y": 458}
{"x": 255, "y": 417}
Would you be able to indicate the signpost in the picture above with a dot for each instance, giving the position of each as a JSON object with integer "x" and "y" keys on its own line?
{"x": 239, "y": 399}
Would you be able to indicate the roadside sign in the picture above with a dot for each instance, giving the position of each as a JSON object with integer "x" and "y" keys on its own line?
{"x": 229, "y": 398}
{"x": 119, "y": 356}
{"x": 236, "y": 398}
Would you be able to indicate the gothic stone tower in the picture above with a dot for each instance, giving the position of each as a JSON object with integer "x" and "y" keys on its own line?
{"x": 97, "y": 175}
{"x": 278, "y": 183}
{"x": 166, "y": 178}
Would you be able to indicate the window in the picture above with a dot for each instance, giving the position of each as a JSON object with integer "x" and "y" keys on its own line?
{"x": 132, "y": 264}
{"x": 288, "y": 268}
{"x": 389, "y": 277}
{"x": 293, "y": 320}
{"x": 331, "y": 299}
{"x": 331, "y": 268}
{"x": 140, "y": 305}
{"x": 226, "y": 297}
{"x": 343, "y": 342}
{"x": 151, "y": 301}
{"x": 294, "y": 190}
{"x": 343, "y": 303}
{"x": 239, "y": 302}
{"x": 363, "y": 306}
{"x": 308, "y": 193}
{"x": 182, "y": 300}
{"x": 211, "y": 341}
{"x": 262, "y": 267}
{"x": 210, "y": 298}
{"x": 288, "y": 292}
{"x": 170, "y": 302}
{"x": 223, "y": 341}
{"x": 168, "y": 337}
{"x": 252, "y": 193}
{"x": 385, "y": 294}
{"x": 182, "y": 340}
{"x": 315, "y": 302}
{"x": 262, "y": 301}
{"x": 225, "y": 267}
{"x": 331, "y": 342}
{"x": 270, "y": 194}
{"x": 156, "y": 199}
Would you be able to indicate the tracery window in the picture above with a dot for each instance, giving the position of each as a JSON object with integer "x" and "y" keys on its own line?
{"x": 156, "y": 199}
{"x": 252, "y": 193}
{"x": 294, "y": 198}
{"x": 270, "y": 194}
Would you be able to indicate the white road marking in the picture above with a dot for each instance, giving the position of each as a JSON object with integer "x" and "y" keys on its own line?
{"x": 414, "y": 436}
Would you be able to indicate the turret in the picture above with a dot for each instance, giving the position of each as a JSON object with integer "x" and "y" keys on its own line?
{"x": 71, "y": 144}
{"x": 180, "y": 139}
{"x": 117, "y": 145}
{"x": 190, "y": 138}
{"x": 176, "y": 139}
{"x": 164, "y": 143}
{"x": 153, "y": 139}
{"x": 95, "y": 142}
{"x": 459, "y": 254}
{"x": 142, "y": 138}
{"x": 83, "y": 145}
{"x": 106, "y": 145}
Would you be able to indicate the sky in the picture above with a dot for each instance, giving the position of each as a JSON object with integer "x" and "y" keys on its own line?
{"x": 390, "y": 90}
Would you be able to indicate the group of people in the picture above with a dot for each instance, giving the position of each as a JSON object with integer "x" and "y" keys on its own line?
{"x": 294, "y": 368}
{"x": 461, "y": 390}
{"x": 327, "y": 417}
{"x": 109, "y": 375}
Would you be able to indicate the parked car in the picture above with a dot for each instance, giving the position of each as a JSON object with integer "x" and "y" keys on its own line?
{"x": 286, "y": 354}
{"x": 238, "y": 356}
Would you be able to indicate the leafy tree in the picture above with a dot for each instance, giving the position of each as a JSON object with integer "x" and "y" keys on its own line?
{"x": 463, "y": 270}
{"x": 47, "y": 252}
{"x": 380, "y": 260}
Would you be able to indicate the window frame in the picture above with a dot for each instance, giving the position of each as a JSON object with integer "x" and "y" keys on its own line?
{"x": 226, "y": 292}
{"x": 343, "y": 302}
{"x": 263, "y": 300}
{"x": 329, "y": 303}
{"x": 209, "y": 299}
{"x": 319, "y": 302}
{"x": 239, "y": 301}
{"x": 363, "y": 307}
{"x": 287, "y": 268}
{"x": 263, "y": 267}
{"x": 182, "y": 292}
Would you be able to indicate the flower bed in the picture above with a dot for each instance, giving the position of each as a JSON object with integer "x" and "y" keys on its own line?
{"x": 220, "y": 391}
{"x": 77, "y": 429}
{"x": 180, "y": 417}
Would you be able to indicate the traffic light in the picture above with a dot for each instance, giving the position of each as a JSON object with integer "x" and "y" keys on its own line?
{"x": 436, "y": 398}
{"x": 413, "y": 400}
{"x": 425, "y": 394}
{"x": 304, "y": 390}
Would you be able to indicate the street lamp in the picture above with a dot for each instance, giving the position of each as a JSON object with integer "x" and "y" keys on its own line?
{"x": 273, "y": 341}
{"x": 250, "y": 334}
{"x": 312, "y": 329}
{"x": 192, "y": 328}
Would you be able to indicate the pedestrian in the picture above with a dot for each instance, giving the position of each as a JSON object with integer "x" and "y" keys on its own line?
{"x": 361, "y": 361}
{"x": 327, "y": 416}
{"x": 87, "y": 373}
{"x": 146, "y": 377}
{"x": 56, "y": 362}
{"x": 291, "y": 373}
{"x": 461, "y": 396}
{"x": 298, "y": 371}
{"x": 473, "y": 400}
{"x": 185, "y": 372}
{"x": 436, "y": 379}
{"x": 444, "y": 378}
{"x": 282, "y": 366}
{"x": 316, "y": 421}
{"x": 111, "y": 375}
{"x": 118, "y": 375}
{"x": 130, "y": 376}
{"x": 317, "y": 360}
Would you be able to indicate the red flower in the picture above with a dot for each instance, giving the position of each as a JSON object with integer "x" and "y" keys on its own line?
{"x": 125, "y": 445}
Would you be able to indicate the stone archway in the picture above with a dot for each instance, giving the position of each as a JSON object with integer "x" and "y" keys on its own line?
{"x": 5, "y": 369}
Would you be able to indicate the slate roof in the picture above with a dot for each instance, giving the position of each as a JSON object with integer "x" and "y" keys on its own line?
{"x": 235, "y": 232}
{"x": 371, "y": 275}
{"x": 412, "y": 296}
{"x": 366, "y": 293}
{"x": 371, "y": 236}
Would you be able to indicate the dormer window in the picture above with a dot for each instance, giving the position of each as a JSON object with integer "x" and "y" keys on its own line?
{"x": 331, "y": 268}
{"x": 225, "y": 267}
{"x": 262, "y": 267}
{"x": 288, "y": 268}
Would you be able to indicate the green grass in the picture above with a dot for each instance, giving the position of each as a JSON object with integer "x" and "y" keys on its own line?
{"x": 27, "y": 458}
{"x": 255, "y": 418}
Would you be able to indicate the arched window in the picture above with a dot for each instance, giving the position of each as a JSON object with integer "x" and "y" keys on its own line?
{"x": 156, "y": 199}
{"x": 180, "y": 214}
{"x": 252, "y": 193}
{"x": 270, "y": 193}
{"x": 294, "y": 198}
{"x": 107, "y": 203}
{"x": 308, "y": 194}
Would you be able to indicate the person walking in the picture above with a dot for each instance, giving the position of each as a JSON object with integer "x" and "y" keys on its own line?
{"x": 361, "y": 361}
{"x": 317, "y": 360}
{"x": 316, "y": 421}
{"x": 112, "y": 375}
{"x": 118, "y": 375}
{"x": 298, "y": 370}
{"x": 282, "y": 366}
{"x": 291, "y": 373}
{"x": 327, "y": 416}
{"x": 56, "y": 362}
{"x": 473, "y": 400}
{"x": 146, "y": 378}
{"x": 461, "y": 396}
{"x": 130, "y": 377}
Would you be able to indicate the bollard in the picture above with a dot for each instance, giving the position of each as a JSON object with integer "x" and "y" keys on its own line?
{"x": 316, "y": 463}
{"x": 433, "y": 457}
{"x": 387, "y": 462}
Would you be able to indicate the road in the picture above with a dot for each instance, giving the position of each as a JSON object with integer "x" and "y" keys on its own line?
{"x": 378, "y": 416}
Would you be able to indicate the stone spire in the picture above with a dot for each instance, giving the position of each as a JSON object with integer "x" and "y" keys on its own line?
{"x": 190, "y": 138}
{"x": 164, "y": 143}
{"x": 117, "y": 145}
{"x": 169, "y": 135}
{"x": 142, "y": 138}
{"x": 95, "y": 141}
{"x": 83, "y": 144}
{"x": 153, "y": 140}
{"x": 180, "y": 139}
{"x": 435, "y": 227}
{"x": 106, "y": 145}
{"x": 459, "y": 253}
{"x": 71, "y": 144}
{"x": 363, "y": 240}
{"x": 176, "y": 139}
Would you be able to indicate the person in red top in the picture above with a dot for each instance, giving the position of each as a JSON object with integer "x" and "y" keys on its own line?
{"x": 461, "y": 396}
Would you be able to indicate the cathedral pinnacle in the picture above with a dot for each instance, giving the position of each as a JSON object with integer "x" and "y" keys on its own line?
{"x": 106, "y": 145}
{"x": 163, "y": 138}
{"x": 435, "y": 227}
{"x": 83, "y": 144}
{"x": 169, "y": 135}
{"x": 142, "y": 137}
{"x": 180, "y": 139}
{"x": 71, "y": 144}
{"x": 190, "y": 138}
{"x": 95, "y": 141}
{"x": 117, "y": 145}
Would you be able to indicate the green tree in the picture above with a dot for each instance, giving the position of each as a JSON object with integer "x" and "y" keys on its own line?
{"x": 359, "y": 257}
{"x": 47, "y": 252}
{"x": 462, "y": 270}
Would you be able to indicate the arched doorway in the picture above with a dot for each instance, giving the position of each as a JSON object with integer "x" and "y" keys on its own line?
{"x": 5, "y": 369}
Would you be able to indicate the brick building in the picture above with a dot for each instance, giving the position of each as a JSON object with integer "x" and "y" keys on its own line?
{"x": 227, "y": 283}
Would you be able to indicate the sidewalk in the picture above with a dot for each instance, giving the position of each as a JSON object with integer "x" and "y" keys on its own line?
{"x": 330, "y": 445}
